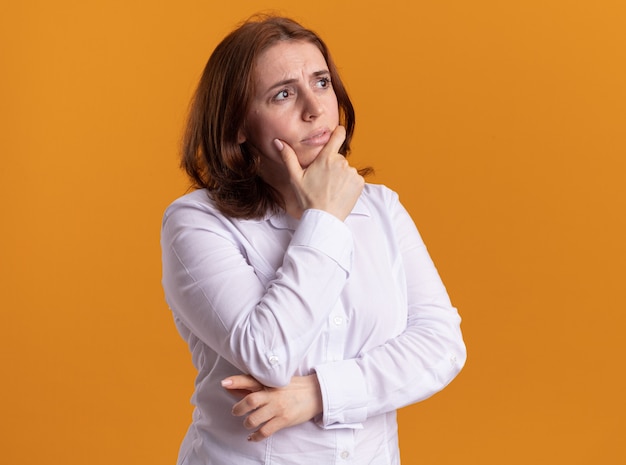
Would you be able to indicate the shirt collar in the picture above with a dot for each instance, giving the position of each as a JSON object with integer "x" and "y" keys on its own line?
{"x": 282, "y": 220}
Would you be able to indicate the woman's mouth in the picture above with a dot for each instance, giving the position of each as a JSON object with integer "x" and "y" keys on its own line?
{"x": 317, "y": 138}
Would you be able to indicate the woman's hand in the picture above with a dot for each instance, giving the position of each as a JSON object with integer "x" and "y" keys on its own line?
{"x": 269, "y": 410}
{"x": 329, "y": 183}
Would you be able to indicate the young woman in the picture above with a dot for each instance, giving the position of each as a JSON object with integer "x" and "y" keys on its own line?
{"x": 297, "y": 286}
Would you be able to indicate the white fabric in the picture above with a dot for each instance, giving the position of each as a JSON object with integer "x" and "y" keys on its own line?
{"x": 358, "y": 302}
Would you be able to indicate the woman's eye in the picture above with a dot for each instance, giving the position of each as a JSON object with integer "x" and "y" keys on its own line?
{"x": 323, "y": 82}
{"x": 282, "y": 95}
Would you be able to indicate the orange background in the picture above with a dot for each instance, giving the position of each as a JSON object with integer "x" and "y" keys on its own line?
{"x": 501, "y": 125}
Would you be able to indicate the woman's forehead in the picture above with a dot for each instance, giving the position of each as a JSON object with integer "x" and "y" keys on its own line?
{"x": 286, "y": 57}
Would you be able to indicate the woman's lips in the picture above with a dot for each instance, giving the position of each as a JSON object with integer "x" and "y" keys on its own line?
{"x": 317, "y": 138}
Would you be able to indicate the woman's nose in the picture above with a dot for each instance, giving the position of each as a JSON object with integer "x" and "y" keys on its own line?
{"x": 311, "y": 106}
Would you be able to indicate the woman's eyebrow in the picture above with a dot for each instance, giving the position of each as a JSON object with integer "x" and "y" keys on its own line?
{"x": 286, "y": 82}
{"x": 282, "y": 83}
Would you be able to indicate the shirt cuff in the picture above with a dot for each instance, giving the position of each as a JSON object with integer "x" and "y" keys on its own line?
{"x": 344, "y": 395}
{"x": 328, "y": 234}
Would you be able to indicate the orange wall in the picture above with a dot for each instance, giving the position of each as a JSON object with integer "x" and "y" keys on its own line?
{"x": 501, "y": 124}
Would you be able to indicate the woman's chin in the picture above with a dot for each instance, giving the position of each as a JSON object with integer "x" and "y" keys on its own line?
{"x": 308, "y": 156}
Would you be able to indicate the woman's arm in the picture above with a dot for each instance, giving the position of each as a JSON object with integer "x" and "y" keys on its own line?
{"x": 219, "y": 297}
{"x": 412, "y": 366}
{"x": 264, "y": 330}
{"x": 419, "y": 362}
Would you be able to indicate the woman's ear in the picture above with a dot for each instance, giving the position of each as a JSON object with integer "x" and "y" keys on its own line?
{"x": 241, "y": 137}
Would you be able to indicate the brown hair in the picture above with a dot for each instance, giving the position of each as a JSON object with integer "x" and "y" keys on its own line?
{"x": 211, "y": 154}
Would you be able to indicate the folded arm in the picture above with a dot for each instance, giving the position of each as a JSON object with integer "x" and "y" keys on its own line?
{"x": 261, "y": 329}
{"x": 408, "y": 368}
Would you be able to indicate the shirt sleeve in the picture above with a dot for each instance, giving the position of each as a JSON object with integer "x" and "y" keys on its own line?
{"x": 264, "y": 330}
{"x": 414, "y": 365}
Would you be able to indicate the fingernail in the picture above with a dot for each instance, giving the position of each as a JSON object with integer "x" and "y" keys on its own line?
{"x": 279, "y": 145}
{"x": 226, "y": 382}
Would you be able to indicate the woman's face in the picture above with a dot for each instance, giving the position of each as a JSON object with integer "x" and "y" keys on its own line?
{"x": 294, "y": 101}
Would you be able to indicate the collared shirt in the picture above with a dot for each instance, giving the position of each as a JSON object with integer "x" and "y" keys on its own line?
{"x": 358, "y": 302}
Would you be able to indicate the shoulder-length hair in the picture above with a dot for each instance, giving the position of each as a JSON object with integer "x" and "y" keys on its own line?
{"x": 211, "y": 154}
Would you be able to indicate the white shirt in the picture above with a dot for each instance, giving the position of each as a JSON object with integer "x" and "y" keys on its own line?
{"x": 358, "y": 302}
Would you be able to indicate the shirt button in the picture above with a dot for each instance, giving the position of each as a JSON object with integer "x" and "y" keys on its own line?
{"x": 345, "y": 454}
{"x": 273, "y": 359}
{"x": 338, "y": 320}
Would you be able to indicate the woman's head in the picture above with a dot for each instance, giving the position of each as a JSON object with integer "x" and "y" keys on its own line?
{"x": 218, "y": 149}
